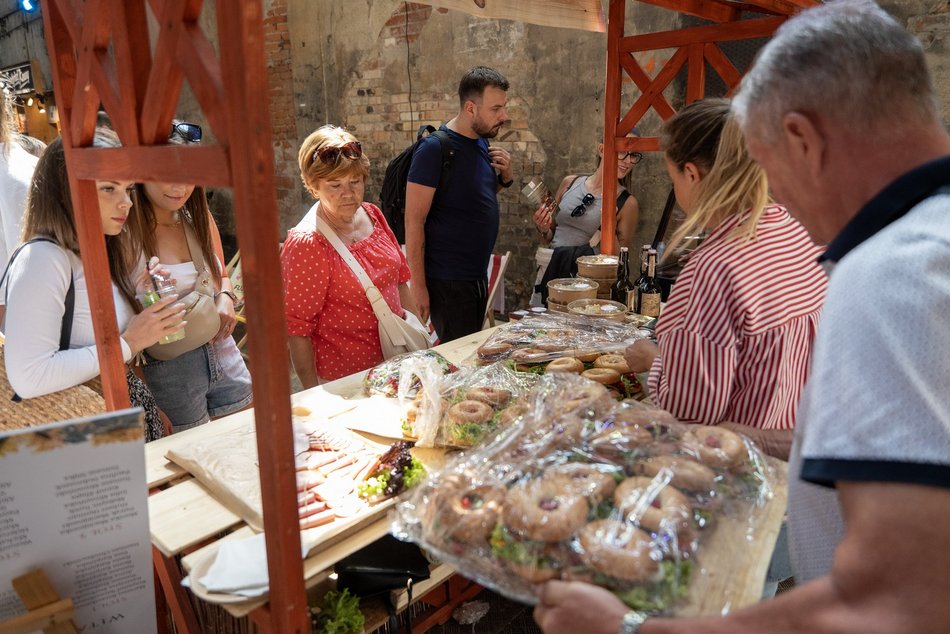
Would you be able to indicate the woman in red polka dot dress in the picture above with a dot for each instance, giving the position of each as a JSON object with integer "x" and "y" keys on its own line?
{"x": 333, "y": 331}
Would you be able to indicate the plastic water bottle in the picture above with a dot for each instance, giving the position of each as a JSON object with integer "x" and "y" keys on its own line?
{"x": 162, "y": 288}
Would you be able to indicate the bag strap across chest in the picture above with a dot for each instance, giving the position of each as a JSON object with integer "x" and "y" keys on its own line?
{"x": 204, "y": 282}
{"x": 373, "y": 294}
{"x": 69, "y": 303}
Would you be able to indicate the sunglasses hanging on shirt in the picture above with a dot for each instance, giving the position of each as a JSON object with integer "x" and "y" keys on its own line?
{"x": 581, "y": 209}
{"x": 190, "y": 132}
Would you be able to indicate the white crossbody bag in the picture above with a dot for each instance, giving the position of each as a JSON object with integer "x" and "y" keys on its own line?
{"x": 396, "y": 335}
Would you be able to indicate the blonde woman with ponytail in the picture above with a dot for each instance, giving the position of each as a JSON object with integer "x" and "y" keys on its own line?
{"x": 734, "y": 340}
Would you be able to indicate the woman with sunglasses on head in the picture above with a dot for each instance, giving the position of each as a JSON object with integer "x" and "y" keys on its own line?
{"x": 333, "y": 330}
{"x": 176, "y": 227}
{"x": 50, "y": 344}
{"x": 572, "y": 229}
{"x": 735, "y": 337}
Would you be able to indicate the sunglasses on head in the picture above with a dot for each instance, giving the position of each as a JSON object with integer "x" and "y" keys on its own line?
{"x": 190, "y": 132}
{"x": 332, "y": 153}
{"x": 636, "y": 157}
{"x": 581, "y": 209}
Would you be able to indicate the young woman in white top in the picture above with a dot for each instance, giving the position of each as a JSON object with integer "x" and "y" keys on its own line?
{"x": 39, "y": 278}
{"x": 211, "y": 380}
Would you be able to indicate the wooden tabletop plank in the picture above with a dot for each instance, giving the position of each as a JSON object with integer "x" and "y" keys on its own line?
{"x": 184, "y": 515}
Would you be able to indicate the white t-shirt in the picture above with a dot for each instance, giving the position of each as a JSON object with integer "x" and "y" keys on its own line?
{"x": 36, "y": 287}
{"x": 877, "y": 403}
{"x": 16, "y": 171}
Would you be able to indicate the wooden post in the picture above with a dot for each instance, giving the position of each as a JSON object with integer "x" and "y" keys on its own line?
{"x": 608, "y": 213}
{"x": 86, "y": 211}
{"x": 252, "y": 169}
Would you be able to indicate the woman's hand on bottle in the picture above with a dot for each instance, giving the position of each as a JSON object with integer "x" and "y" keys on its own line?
{"x": 143, "y": 281}
{"x": 161, "y": 319}
{"x": 544, "y": 221}
{"x": 225, "y": 306}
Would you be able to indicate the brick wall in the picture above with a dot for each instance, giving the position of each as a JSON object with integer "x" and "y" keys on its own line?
{"x": 283, "y": 114}
{"x": 406, "y": 23}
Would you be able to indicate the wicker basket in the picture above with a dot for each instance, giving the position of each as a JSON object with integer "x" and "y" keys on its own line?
{"x": 74, "y": 402}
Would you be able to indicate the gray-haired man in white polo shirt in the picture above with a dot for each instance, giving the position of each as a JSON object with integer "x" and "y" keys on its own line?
{"x": 840, "y": 111}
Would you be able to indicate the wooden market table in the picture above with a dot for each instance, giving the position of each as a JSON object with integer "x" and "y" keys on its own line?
{"x": 188, "y": 522}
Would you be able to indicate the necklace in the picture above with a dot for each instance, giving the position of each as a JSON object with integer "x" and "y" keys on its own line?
{"x": 175, "y": 223}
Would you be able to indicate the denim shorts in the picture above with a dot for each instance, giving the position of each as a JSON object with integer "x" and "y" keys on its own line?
{"x": 209, "y": 381}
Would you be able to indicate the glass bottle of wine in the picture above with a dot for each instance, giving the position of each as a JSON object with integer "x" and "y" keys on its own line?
{"x": 622, "y": 289}
{"x": 635, "y": 307}
{"x": 648, "y": 292}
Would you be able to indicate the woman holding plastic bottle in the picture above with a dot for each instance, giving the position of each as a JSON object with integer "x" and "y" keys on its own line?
{"x": 177, "y": 230}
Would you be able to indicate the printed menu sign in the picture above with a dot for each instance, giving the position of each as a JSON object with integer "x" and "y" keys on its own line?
{"x": 73, "y": 502}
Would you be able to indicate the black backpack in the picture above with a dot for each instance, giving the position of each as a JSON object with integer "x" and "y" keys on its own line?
{"x": 392, "y": 195}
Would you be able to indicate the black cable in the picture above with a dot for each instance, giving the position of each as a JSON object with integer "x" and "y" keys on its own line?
{"x": 412, "y": 125}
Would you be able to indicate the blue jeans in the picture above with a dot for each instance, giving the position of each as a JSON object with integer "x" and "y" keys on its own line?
{"x": 211, "y": 380}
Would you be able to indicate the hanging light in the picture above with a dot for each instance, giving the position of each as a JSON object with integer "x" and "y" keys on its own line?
{"x": 29, "y": 101}
{"x": 29, "y": 5}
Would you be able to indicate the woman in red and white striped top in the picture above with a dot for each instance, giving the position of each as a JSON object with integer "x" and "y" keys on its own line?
{"x": 735, "y": 337}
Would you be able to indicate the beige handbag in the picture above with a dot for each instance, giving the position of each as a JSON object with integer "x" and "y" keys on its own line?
{"x": 200, "y": 310}
{"x": 396, "y": 335}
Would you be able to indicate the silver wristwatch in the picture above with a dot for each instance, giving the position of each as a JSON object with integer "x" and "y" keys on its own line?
{"x": 631, "y": 622}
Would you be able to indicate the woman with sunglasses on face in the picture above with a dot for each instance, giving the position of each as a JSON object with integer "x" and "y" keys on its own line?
{"x": 210, "y": 380}
{"x": 735, "y": 336}
{"x": 333, "y": 330}
{"x": 40, "y": 358}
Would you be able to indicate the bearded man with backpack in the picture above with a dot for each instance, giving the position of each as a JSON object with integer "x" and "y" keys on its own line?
{"x": 452, "y": 225}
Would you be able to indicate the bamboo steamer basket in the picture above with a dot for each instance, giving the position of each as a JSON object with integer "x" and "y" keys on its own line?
{"x": 598, "y": 267}
{"x": 565, "y": 290}
{"x": 556, "y": 306}
{"x": 600, "y": 308}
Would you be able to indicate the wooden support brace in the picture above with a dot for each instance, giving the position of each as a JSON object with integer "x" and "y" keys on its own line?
{"x": 723, "y": 67}
{"x": 169, "y": 576}
{"x": 730, "y": 31}
{"x": 454, "y": 592}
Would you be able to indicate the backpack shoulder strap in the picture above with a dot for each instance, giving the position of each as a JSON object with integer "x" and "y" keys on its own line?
{"x": 448, "y": 153}
{"x": 424, "y": 130}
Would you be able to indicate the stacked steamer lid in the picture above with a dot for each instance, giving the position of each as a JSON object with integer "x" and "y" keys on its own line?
{"x": 600, "y": 268}
{"x": 565, "y": 290}
{"x": 601, "y": 308}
